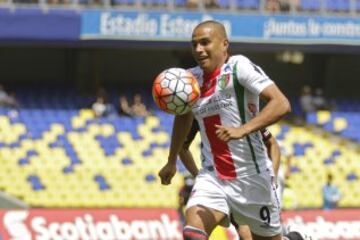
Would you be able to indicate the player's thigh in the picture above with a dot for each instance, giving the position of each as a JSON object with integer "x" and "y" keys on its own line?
{"x": 244, "y": 232}
{"x": 204, "y": 218}
{"x": 207, "y": 205}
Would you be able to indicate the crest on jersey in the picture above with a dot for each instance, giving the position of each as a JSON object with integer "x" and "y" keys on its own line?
{"x": 227, "y": 68}
{"x": 223, "y": 81}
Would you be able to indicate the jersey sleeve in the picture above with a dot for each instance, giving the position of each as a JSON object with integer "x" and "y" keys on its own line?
{"x": 251, "y": 76}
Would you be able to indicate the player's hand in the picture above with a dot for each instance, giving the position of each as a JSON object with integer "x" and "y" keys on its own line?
{"x": 167, "y": 173}
{"x": 229, "y": 133}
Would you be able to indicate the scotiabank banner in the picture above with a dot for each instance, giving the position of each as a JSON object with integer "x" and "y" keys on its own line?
{"x": 323, "y": 225}
{"x": 104, "y": 224}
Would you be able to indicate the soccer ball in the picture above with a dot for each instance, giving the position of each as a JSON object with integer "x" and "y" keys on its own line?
{"x": 175, "y": 90}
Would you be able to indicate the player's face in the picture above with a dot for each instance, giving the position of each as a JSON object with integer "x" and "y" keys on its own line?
{"x": 209, "y": 48}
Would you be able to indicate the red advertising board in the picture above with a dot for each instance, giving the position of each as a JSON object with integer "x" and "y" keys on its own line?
{"x": 151, "y": 224}
{"x": 337, "y": 224}
{"x": 90, "y": 224}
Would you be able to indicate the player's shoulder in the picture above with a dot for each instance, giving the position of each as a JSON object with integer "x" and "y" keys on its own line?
{"x": 239, "y": 60}
{"x": 241, "y": 64}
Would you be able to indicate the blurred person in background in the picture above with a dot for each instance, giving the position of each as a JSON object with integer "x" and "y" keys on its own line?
{"x": 3, "y": 95}
{"x": 124, "y": 107}
{"x": 331, "y": 194}
{"x": 319, "y": 100}
{"x": 192, "y": 3}
{"x": 100, "y": 107}
{"x": 272, "y": 6}
{"x": 287, "y": 5}
{"x": 211, "y": 3}
{"x": 306, "y": 101}
{"x": 11, "y": 101}
{"x": 7, "y": 100}
{"x": 138, "y": 108}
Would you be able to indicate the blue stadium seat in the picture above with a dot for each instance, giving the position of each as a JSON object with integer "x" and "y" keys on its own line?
{"x": 35, "y": 182}
{"x": 154, "y": 2}
{"x": 351, "y": 177}
{"x": 180, "y": 3}
{"x": 224, "y": 3}
{"x": 23, "y": 161}
{"x": 124, "y": 2}
{"x": 310, "y": 5}
{"x": 345, "y": 5}
{"x": 338, "y": 5}
{"x": 248, "y": 4}
{"x": 150, "y": 178}
{"x": 126, "y": 161}
{"x": 329, "y": 161}
{"x": 101, "y": 181}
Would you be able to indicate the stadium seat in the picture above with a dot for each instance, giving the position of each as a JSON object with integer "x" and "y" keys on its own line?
{"x": 154, "y": 2}
{"x": 180, "y": 3}
{"x": 338, "y": 5}
{"x": 64, "y": 157}
{"x": 248, "y": 4}
{"x": 124, "y": 2}
{"x": 224, "y": 3}
{"x": 310, "y": 5}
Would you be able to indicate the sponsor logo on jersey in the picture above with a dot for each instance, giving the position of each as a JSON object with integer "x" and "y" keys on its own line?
{"x": 223, "y": 81}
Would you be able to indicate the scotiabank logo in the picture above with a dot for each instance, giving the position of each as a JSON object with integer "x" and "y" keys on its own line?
{"x": 14, "y": 223}
{"x": 322, "y": 229}
{"x": 326, "y": 225}
{"x": 21, "y": 225}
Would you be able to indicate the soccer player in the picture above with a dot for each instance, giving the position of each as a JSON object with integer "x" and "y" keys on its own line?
{"x": 235, "y": 177}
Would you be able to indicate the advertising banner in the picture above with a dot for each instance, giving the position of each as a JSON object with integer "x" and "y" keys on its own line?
{"x": 90, "y": 224}
{"x": 177, "y": 26}
{"x": 337, "y": 224}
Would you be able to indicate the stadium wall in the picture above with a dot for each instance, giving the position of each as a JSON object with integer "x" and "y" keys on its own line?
{"x": 93, "y": 47}
{"x": 87, "y": 68}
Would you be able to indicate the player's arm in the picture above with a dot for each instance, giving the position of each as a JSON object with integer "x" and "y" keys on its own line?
{"x": 276, "y": 107}
{"x": 251, "y": 77}
{"x": 274, "y": 153}
{"x": 185, "y": 155}
{"x": 181, "y": 127}
{"x": 188, "y": 161}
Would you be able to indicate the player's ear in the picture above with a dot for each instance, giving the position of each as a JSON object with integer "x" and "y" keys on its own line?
{"x": 226, "y": 44}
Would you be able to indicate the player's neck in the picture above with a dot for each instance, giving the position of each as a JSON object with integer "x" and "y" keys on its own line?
{"x": 212, "y": 74}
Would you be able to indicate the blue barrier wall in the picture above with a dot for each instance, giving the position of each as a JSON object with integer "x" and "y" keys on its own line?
{"x": 35, "y": 24}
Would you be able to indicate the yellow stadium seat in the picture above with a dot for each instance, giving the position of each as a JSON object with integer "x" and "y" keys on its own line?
{"x": 323, "y": 117}
{"x": 339, "y": 124}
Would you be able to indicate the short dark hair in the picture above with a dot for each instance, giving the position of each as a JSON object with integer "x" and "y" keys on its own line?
{"x": 215, "y": 24}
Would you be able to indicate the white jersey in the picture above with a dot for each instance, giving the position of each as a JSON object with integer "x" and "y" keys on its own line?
{"x": 230, "y": 97}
